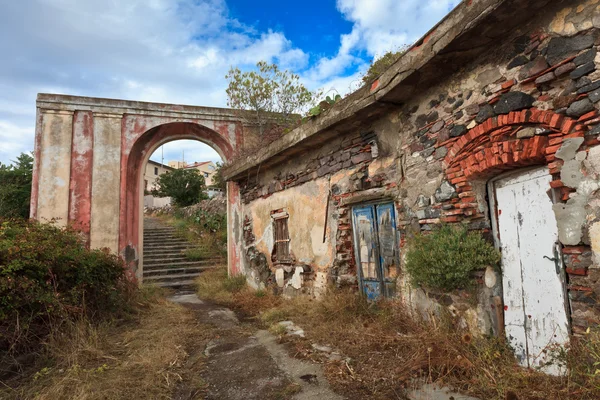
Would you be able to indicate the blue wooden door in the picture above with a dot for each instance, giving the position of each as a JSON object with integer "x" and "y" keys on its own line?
{"x": 389, "y": 257}
{"x": 376, "y": 249}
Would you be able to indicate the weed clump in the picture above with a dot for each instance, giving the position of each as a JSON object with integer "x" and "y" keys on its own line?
{"x": 446, "y": 258}
{"x": 380, "y": 65}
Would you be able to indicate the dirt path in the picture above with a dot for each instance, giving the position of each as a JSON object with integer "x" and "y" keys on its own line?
{"x": 244, "y": 364}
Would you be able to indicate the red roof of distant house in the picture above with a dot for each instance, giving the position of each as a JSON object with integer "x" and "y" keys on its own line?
{"x": 197, "y": 164}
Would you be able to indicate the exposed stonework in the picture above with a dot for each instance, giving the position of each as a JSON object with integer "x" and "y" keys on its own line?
{"x": 531, "y": 101}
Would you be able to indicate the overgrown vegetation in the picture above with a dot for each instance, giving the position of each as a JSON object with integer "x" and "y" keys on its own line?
{"x": 380, "y": 65}
{"x": 274, "y": 97}
{"x": 184, "y": 186}
{"x": 48, "y": 277}
{"x": 218, "y": 181}
{"x": 385, "y": 349}
{"x": 215, "y": 285}
{"x": 15, "y": 187}
{"x": 323, "y": 105}
{"x": 446, "y": 258}
{"x": 206, "y": 228}
{"x": 143, "y": 356}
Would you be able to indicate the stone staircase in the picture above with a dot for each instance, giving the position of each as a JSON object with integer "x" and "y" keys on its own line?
{"x": 165, "y": 263}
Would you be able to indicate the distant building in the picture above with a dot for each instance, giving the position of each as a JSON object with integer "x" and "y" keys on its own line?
{"x": 153, "y": 171}
{"x": 177, "y": 164}
{"x": 206, "y": 168}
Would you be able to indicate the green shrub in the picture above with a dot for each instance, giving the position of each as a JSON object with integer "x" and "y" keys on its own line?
{"x": 15, "y": 187}
{"x": 446, "y": 258}
{"x": 208, "y": 229}
{"x": 184, "y": 186}
{"x": 47, "y": 275}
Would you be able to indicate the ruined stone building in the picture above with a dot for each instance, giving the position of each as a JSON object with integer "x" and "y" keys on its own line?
{"x": 490, "y": 120}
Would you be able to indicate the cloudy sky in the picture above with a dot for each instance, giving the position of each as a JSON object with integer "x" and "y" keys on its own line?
{"x": 178, "y": 51}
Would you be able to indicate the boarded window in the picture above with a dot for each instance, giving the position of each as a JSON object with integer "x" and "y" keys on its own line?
{"x": 281, "y": 252}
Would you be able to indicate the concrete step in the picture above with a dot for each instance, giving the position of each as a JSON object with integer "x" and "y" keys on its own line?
{"x": 160, "y": 259}
{"x": 172, "y": 277}
{"x": 165, "y": 240}
{"x": 167, "y": 248}
{"x": 182, "y": 264}
{"x": 175, "y": 271}
{"x": 153, "y": 260}
{"x": 189, "y": 285}
{"x": 162, "y": 237}
{"x": 164, "y": 254}
{"x": 160, "y": 234}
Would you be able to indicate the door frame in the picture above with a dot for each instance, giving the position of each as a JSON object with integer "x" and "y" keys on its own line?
{"x": 355, "y": 242}
{"x": 493, "y": 204}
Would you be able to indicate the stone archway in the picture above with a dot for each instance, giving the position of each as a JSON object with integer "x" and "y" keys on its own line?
{"x": 89, "y": 156}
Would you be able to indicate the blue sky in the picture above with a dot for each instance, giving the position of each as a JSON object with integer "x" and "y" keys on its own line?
{"x": 177, "y": 51}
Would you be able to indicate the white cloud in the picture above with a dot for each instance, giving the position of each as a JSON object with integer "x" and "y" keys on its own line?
{"x": 14, "y": 140}
{"x": 382, "y": 25}
{"x": 189, "y": 150}
{"x": 173, "y": 51}
{"x": 378, "y": 27}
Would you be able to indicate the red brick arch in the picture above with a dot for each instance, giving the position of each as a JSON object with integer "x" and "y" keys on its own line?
{"x": 493, "y": 146}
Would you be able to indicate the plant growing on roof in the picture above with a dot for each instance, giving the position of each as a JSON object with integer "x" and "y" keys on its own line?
{"x": 380, "y": 65}
{"x": 446, "y": 258}
{"x": 274, "y": 97}
{"x": 324, "y": 105}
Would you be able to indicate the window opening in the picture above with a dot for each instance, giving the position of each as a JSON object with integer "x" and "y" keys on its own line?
{"x": 281, "y": 234}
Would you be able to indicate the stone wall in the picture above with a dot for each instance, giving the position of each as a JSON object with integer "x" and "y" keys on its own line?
{"x": 531, "y": 101}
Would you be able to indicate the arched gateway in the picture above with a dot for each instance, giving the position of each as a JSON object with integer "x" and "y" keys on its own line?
{"x": 89, "y": 160}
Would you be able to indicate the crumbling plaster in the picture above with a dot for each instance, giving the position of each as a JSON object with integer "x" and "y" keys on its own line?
{"x": 529, "y": 92}
{"x": 306, "y": 206}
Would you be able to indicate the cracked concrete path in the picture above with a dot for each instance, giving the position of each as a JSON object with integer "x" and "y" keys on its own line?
{"x": 243, "y": 364}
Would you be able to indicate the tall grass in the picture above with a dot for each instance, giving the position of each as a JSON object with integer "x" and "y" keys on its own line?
{"x": 391, "y": 349}
{"x": 141, "y": 357}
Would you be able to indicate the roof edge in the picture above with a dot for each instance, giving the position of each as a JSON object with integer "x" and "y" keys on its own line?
{"x": 462, "y": 19}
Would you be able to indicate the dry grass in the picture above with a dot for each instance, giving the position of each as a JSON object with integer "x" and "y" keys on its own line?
{"x": 215, "y": 285}
{"x": 142, "y": 358}
{"x": 391, "y": 350}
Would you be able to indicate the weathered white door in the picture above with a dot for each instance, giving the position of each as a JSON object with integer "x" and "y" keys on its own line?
{"x": 535, "y": 314}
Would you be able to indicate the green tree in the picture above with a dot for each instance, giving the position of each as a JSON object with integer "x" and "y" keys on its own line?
{"x": 275, "y": 98}
{"x": 15, "y": 187}
{"x": 184, "y": 186}
{"x": 217, "y": 179}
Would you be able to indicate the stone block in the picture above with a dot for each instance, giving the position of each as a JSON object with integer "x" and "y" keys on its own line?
{"x": 583, "y": 70}
{"x": 484, "y": 113}
{"x": 560, "y": 48}
{"x": 578, "y": 108}
{"x": 445, "y": 192}
{"x": 513, "y": 101}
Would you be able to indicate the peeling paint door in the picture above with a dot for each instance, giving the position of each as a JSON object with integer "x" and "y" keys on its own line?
{"x": 535, "y": 315}
{"x": 376, "y": 249}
